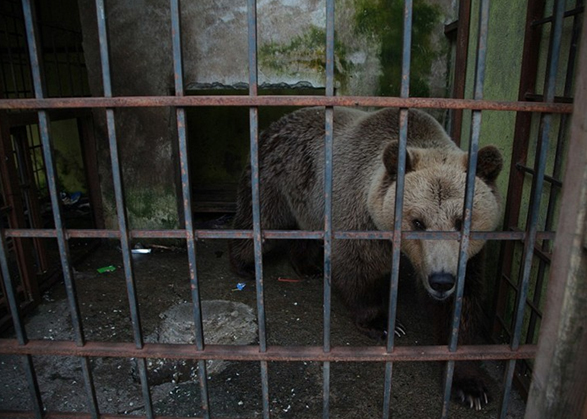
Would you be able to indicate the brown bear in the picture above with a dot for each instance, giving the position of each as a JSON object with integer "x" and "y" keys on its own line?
{"x": 365, "y": 152}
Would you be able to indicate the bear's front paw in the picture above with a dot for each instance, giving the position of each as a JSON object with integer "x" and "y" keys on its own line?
{"x": 470, "y": 391}
{"x": 377, "y": 329}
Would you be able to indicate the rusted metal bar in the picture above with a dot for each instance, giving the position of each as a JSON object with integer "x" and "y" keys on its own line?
{"x": 120, "y": 205}
{"x": 256, "y": 200}
{"x": 483, "y": 28}
{"x": 280, "y": 234}
{"x": 328, "y": 187}
{"x": 399, "y": 202}
{"x": 528, "y": 75}
{"x": 460, "y": 79}
{"x": 88, "y": 145}
{"x": 554, "y": 193}
{"x": 187, "y": 202}
{"x": 273, "y": 353}
{"x": 52, "y": 176}
{"x": 348, "y": 101}
{"x": 536, "y": 195}
{"x": 13, "y": 414}
{"x": 561, "y": 363}
{"x": 23, "y": 248}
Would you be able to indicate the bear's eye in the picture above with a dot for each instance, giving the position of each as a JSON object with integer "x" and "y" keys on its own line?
{"x": 418, "y": 225}
{"x": 458, "y": 224}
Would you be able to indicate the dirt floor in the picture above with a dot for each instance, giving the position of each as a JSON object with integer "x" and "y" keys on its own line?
{"x": 294, "y": 317}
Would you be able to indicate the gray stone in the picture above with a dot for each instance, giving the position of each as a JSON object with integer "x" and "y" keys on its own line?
{"x": 224, "y": 323}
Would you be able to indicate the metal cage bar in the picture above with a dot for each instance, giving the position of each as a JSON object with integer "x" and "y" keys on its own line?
{"x": 294, "y": 100}
{"x": 537, "y": 186}
{"x": 279, "y": 234}
{"x": 399, "y": 202}
{"x": 328, "y": 189}
{"x": 21, "y": 335}
{"x": 120, "y": 206}
{"x": 483, "y": 29}
{"x": 187, "y": 203}
{"x": 263, "y": 353}
{"x": 256, "y": 200}
{"x": 62, "y": 241}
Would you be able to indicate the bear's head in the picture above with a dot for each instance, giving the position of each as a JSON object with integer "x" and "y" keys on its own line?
{"x": 434, "y": 191}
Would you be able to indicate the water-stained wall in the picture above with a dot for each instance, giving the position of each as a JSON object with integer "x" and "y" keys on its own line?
{"x": 291, "y": 49}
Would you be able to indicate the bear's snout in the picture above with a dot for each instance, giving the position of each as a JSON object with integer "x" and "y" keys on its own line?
{"x": 442, "y": 285}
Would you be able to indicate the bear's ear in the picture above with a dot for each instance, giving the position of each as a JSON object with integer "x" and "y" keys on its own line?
{"x": 489, "y": 163}
{"x": 390, "y": 158}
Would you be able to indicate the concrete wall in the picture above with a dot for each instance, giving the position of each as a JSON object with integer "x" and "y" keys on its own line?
{"x": 291, "y": 49}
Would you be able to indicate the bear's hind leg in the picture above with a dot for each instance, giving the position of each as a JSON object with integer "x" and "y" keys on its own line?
{"x": 275, "y": 215}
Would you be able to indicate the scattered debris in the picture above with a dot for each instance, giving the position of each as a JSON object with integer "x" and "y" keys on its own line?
{"x": 109, "y": 268}
{"x": 141, "y": 251}
{"x": 240, "y": 286}
{"x": 280, "y": 279}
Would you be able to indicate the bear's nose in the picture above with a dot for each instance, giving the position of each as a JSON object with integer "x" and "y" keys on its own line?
{"x": 441, "y": 282}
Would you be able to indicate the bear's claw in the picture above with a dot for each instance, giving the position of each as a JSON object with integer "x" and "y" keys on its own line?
{"x": 400, "y": 329}
{"x": 471, "y": 393}
{"x": 475, "y": 402}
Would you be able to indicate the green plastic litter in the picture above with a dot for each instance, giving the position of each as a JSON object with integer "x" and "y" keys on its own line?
{"x": 109, "y": 268}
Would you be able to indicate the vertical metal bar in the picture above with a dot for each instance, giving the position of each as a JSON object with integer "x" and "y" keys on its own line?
{"x": 33, "y": 385}
{"x": 399, "y": 201}
{"x": 387, "y": 390}
{"x": 11, "y": 295}
{"x": 257, "y": 234}
{"x": 469, "y": 198}
{"x": 537, "y": 186}
{"x": 326, "y": 390}
{"x": 52, "y": 177}
{"x": 187, "y": 203}
{"x": 462, "y": 51}
{"x": 328, "y": 188}
{"x": 560, "y": 362}
{"x": 20, "y": 330}
{"x": 90, "y": 388}
{"x": 120, "y": 206}
{"x": 59, "y": 227}
{"x": 558, "y": 168}
{"x": 528, "y": 74}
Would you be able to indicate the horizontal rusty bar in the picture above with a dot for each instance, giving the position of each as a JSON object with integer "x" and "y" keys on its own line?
{"x": 247, "y": 101}
{"x": 273, "y": 353}
{"x": 276, "y": 234}
{"x": 13, "y": 414}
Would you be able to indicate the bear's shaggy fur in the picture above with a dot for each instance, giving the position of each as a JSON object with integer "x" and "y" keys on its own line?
{"x": 365, "y": 153}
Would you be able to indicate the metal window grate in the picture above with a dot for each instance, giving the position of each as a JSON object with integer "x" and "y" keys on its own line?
{"x": 264, "y": 353}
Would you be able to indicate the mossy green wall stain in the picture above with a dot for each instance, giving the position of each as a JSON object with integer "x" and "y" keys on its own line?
{"x": 308, "y": 52}
{"x": 68, "y": 156}
{"x": 146, "y": 208}
{"x": 502, "y": 78}
{"x": 383, "y": 19}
